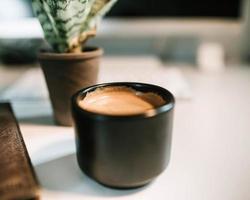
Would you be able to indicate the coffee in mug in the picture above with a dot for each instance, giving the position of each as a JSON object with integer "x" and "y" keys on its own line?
{"x": 120, "y": 100}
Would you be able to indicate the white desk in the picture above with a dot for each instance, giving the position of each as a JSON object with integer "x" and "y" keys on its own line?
{"x": 210, "y": 151}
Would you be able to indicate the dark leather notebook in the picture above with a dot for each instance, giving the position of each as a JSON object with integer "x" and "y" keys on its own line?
{"x": 17, "y": 176}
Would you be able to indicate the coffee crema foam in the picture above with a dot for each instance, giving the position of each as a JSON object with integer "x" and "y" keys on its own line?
{"x": 120, "y": 100}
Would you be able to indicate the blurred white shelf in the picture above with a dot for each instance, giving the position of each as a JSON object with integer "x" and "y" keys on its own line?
{"x": 30, "y": 27}
{"x": 26, "y": 28}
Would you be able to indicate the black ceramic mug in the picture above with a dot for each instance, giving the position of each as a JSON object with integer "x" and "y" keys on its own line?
{"x": 124, "y": 151}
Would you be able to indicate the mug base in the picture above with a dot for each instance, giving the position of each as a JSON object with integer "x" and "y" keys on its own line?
{"x": 121, "y": 186}
{"x": 128, "y": 187}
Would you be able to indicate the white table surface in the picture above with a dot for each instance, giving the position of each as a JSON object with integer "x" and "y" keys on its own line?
{"x": 210, "y": 156}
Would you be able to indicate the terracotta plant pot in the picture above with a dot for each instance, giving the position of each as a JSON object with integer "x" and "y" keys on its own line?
{"x": 65, "y": 74}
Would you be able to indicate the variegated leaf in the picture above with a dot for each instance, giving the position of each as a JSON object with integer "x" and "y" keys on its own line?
{"x": 65, "y": 21}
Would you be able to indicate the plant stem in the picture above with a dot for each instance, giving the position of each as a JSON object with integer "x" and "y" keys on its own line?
{"x": 76, "y": 49}
{"x": 78, "y": 43}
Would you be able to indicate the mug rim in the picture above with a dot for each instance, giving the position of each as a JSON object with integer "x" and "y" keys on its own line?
{"x": 164, "y": 93}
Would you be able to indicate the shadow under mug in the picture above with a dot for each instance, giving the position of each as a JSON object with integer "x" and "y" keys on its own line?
{"x": 124, "y": 151}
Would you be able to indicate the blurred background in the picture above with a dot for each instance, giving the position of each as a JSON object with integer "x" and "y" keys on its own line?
{"x": 172, "y": 30}
{"x": 199, "y": 50}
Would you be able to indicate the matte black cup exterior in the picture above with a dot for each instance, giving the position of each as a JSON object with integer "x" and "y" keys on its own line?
{"x": 124, "y": 151}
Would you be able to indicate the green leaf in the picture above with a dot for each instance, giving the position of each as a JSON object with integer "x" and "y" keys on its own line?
{"x": 98, "y": 9}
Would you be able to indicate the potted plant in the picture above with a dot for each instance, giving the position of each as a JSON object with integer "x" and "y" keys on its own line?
{"x": 69, "y": 65}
